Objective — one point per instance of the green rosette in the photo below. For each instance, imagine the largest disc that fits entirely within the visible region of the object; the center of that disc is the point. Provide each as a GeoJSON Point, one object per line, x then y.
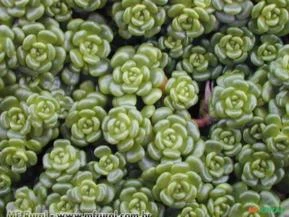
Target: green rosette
{"type": "Point", "coordinates": [135, 198]}
{"type": "Point", "coordinates": [88, 45]}
{"type": "Point", "coordinates": [27, 9]}
{"type": "Point", "coordinates": [282, 101]}
{"type": "Point", "coordinates": [233, 45]}
{"type": "Point", "coordinates": [279, 69]}
{"type": "Point", "coordinates": [127, 129]}
{"type": "Point", "coordinates": [258, 168]}
{"type": "Point", "coordinates": [57, 203]}
{"type": "Point", "coordinates": [89, 194]}
{"type": "Point", "coordinates": [267, 51]}
{"type": "Point", "coordinates": [136, 72]}
{"type": "Point", "coordinates": [86, 5]}
{"type": "Point", "coordinates": [254, 203]}
{"type": "Point", "coordinates": [175, 137]}
{"type": "Point", "coordinates": [84, 120]}
{"type": "Point", "coordinates": [200, 62]}
{"type": "Point", "coordinates": [25, 201]}
{"type": "Point", "coordinates": [61, 163]}
{"type": "Point", "coordinates": [16, 155]}
{"type": "Point", "coordinates": [139, 17]}
{"type": "Point", "coordinates": [40, 47]}
{"type": "Point", "coordinates": [228, 138]}
{"type": "Point", "coordinates": [58, 10]}
{"type": "Point", "coordinates": [270, 16]}
{"type": "Point", "coordinates": [195, 209]}
{"type": "Point", "coordinates": [233, 12]}
{"type": "Point", "coordinates": [234, 100]}
{"type": "Point", "coordinates": [190, 21]}
{"type": "Point", "coordinates": [220, 200]}
{"type": "Point", "coordinates": [110, 165]}
{"type": "Point", "coordinates": [181, 90]}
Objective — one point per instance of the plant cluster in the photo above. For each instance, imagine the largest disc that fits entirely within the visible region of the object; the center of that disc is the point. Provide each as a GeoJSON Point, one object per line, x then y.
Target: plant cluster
{"type": "Point", "coordinates": [176, 108]}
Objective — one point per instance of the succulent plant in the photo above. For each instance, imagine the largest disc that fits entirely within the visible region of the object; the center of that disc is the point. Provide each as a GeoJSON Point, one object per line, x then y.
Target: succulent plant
{"type": "Point", "coordinates": [234, 99]}
{"type": "Point", "coordinates": [25, 201]}
{"type": "Point", "coordinates": [182, 91]}
{"type": "Point", "coordinates": [233, 45]}
{"type": "Point", "coordinates": [190, 21]}
{"type": "Point", "coordinates": [136, 72]}
{"type": "Point", "coordinates": [61, 204]}
{"type": "Point", "coordinates": [139, 17]}
{"type": "Point", "coordinates": [233, 12]}
{"type": "Point", "coordinates": [200, 62]}
{"type": "Point", "coordinates": [125, 127]}
{"type": "Point", "coordinates": [15, 154]}
{"type": "Point", "coordinates": [257, 167]}
{"type": "Point", "coordinates": [279, 69]}
{"type": "Point", "coordinates": [88, 44]}
{"type": "Point", "coordinates": [41, 47]}
{"type": "Point", "coordinates": [177, 185]}
{"type": "Point", "coordinates": [229, 139]}
{"type": "Point", "coordinates": [6, 179]}
{"type": "Point", "coordinates": [220, 200]}
{"type": "Point", "coordinates": [194, 209]}
{"type": "Point", "coordinates": [250, 202]}
{"type": "Point", "coordinates": [88, 194]}
{"type": "Point", "coordinates": [86, 5]}
{"type": "Point", "coordinates": [135, 198]}
{"type": "Point", "coordinates": [267, 51]}
{"type": "Point", "coordinates": [108, 164]}
{"type": "Point", "coordinates": [282, 101]}
{"type": "Point", "coordinates": [276, 136]}
{"type": "Point", "coordinates": [175, 137]}
{"type": "Point", "coordinates": [62, 160]}
{"type": "Point", "coordinates": [84, 120]}
{"type": "Point", "coordinates": [270, 16]}
{"type": "Point", "coordinates": [60, 11]}
{"type": "Point", "coordinates": [29, 9]}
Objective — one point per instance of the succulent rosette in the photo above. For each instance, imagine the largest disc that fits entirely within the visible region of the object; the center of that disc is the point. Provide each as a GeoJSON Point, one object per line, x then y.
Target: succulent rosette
{"type": "Point", "coordinates": [88, 194]}
{"type": "Point", "coordinates": [139, 17]}
{"type": "Point", "coordinates": [279, 69]}
{"type": "Point", "coordinates": [44, 110]}
{"type": "Point", "coordinates": [258, 168]}
{"type": "Point", "coordinates": [233, 12]}
{"type": "Point", "coordinates": [29, 9]}
{"type": "Point", "coordinates": [57, 203]}
{"type": "Point", "coordinates": [270, 16]}
{"type": "Point", "coordinates": [63, 160]}
{"type": "Point", "coordinates": [220, 200]}
{"type": "Point", "coordinates": [129, 130]}
{"type": "Point", "coordinates": [255, 203]}
{"type": "Point", "coordinates": [282, 101]}
{"type": "Point", "coordinates": [267, 51]}
{"type": "Point", "coordinates": [182, 91]}
{"type": "Point", "coordinates": [233, 45]}
{"type": "Point", "coordinates": [15, 154]}
{"type": "Point", "coordinates": [40, 47]}
{"type": "Point", "coordinates": [86, 5]}
{"type": "Point", "coordinates": [6, 179]}
{"type": "Point", "coordinates": [276, 136]}
{"type": "Point", "coordinates": [228, 138]}
{"type": "Point", "coordinates": [200, 62]}
{"type": "Point", "coordinates": [108, 164]}
{"type": "Point", "coordinates": [84, 120]}
{"type": "Point", "coordinates": [8, 59]}
{"type": "Point", "coordinates": [190, 21]}
{"type": "Point", "coordinates": [88, 44]}
{"type": "Point", "coordinates": [59, 10]}
{"type": "Point", "coordinates": [175, 136]}
{"type": "Point", "coordinates": [15, 118]}
{"type": "Point", "coordinates": [136, 72]}
{"type": "Point", "coordinates": [173, 46]}
{"type": "Point", "coordinates": [234, 100]}
{"type": "Point", "coordinates": [25, 201]}
{"type": "Point", "coordinates": [135, 198]}
{"type": "Point", "coordinates": [194, 209]}
{"type": "Point", "coordinates": [176, 184]}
